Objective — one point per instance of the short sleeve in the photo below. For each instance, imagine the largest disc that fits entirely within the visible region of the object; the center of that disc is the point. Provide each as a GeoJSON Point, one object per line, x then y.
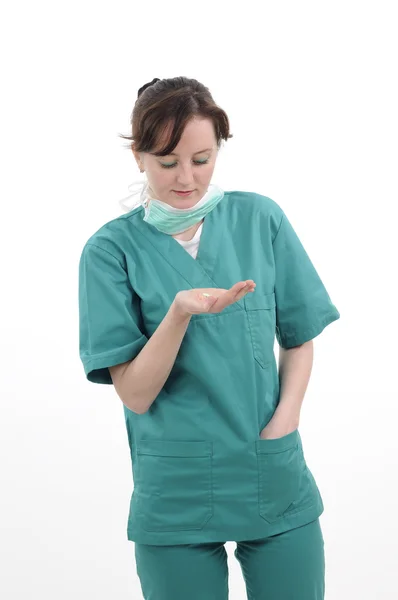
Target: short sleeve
{"type": "Point", "coordinates": [109, 315]}
{"type": "Point", "coordinates": [303, 306]}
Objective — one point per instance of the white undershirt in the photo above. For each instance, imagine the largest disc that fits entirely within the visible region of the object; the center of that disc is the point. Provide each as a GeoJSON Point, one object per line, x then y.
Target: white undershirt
{"type": "Point", "coordinates": [191, 246]}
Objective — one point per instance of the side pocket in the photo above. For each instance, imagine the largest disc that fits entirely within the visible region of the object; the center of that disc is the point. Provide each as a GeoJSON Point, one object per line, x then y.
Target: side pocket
{"type": "Point", "coordinates": [174, 490]}
{"type": "Point", "coordinates": [261, 314]}
{"type": "Point", "coordinates": [280, 467]}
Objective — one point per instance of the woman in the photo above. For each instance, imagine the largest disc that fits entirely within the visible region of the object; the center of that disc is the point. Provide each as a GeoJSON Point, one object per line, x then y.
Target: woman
{"type": "Point", "coordinates": [180, 302]}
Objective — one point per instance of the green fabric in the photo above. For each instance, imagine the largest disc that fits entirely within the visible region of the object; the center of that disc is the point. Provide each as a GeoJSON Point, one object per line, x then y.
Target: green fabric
{"type": "Point", "coordinates": [201, 472]}
{"type": "Point", "coordinates": [288, 566]}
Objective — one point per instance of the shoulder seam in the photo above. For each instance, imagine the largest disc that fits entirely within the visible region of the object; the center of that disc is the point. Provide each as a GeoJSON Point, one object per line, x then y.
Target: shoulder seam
{"type": "Point", "coordinates": [280, 225]}
{"type": "Point", "coordinates": [107, 251]}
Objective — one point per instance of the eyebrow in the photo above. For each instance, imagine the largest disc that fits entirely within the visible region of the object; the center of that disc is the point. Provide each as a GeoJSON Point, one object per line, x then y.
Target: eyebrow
{"type": "Point", "coordinates": [198, 152]}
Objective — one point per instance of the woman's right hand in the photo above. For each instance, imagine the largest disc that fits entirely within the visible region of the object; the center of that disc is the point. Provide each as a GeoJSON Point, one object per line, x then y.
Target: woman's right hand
{"type": "Point", "coordinates": [211, 300]}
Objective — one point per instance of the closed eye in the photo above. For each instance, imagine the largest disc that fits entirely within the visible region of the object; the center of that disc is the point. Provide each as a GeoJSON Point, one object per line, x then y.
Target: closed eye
{"type": "Point", "coordinates": [196, 162]}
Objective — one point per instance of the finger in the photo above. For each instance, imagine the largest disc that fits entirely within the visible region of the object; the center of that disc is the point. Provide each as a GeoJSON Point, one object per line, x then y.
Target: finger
{"type": "Point", "coordinates": [236, 288]}
{"type": "Point", "coordinates": [207, 300]}
{"type": "Point", "coordinates": [242, 293]}
{"type": "Point", "coordinates": [251, 284]}
{"type": "Point", "coordinates": [227, 299]}
{"type": "Point", "coordinates": [236, 292]}
{"type": "Point", "coordinates": [233, 294]}
{"type": "Point", "coordinates": [241, 285]}
{"type": "Point", "coordinates": [249, 287]}
{"type": "Point", "coordinates": [230, 295]}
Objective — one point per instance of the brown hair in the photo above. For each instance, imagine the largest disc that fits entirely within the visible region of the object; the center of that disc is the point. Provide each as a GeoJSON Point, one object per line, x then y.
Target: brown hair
{"type": "Point", "coordinates": [162, 103]}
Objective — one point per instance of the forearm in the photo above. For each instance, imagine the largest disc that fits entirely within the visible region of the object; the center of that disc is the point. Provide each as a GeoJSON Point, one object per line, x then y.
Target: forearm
{"type": "Point", "coordinates": [295, 367]}
{"type": "Point", "coordinates": [147, 373]}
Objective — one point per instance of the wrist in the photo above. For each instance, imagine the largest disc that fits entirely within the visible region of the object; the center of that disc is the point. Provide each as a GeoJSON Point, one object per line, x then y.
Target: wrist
{"type": "Point", "coordinates": [178, 314]}
{"type": "Point", "coordinates": [289, 417]}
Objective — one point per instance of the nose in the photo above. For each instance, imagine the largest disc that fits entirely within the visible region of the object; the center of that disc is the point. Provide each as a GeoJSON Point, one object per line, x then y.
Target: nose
{"type": "Point", "coordinates": [185, 176]}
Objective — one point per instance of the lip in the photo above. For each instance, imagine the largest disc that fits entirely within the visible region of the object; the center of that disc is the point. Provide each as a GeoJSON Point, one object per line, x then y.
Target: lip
{"type": "Point", "coordinates": [183, 193]}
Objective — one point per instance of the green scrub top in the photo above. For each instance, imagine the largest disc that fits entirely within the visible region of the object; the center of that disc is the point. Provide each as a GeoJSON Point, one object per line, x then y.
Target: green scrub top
{"type": "Point", "coordinates": [201, 472]}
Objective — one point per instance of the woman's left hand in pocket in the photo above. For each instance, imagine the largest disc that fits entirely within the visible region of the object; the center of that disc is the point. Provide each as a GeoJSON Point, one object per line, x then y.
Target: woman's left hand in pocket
{"type": "Point", "coordinates": [277, 429]}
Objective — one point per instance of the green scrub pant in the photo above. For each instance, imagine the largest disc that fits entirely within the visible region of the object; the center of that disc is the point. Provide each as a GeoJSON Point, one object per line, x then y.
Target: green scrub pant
{"type": "Point", "coordinates": [287, 566]}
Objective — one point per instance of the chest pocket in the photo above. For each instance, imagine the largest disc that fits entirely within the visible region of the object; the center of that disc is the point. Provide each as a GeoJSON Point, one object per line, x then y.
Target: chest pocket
{"type": "Point", "coordinates": [261, 315]}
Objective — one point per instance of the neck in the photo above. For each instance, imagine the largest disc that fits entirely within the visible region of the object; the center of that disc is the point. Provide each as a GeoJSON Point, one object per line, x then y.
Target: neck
{"type": "Point", "coordinates": [188, 234]}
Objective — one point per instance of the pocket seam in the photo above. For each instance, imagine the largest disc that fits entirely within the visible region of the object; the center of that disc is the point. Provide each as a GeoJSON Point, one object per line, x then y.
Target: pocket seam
{"type": "Point", "coordinates": [201, 449]}
{"type": "Point", "coordinates": [254, 304]}
{"type": "Point", "coordinates": [260, 301]}
{"type": "Point", "coordinates": [262, 491]}
{"type": "Point", "coordinates": [204, 450]}
{"type": "Point", "coordinates": [286, 442]}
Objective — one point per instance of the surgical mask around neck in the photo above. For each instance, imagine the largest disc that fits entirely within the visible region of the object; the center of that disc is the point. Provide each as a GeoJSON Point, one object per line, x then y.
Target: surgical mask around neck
{"type": "Point", "coordinates": [166, 218]}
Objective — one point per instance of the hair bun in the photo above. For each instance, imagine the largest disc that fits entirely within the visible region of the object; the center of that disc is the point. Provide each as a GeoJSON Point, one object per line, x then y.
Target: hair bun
{"type": "Point", "coordinates": [147, 85]}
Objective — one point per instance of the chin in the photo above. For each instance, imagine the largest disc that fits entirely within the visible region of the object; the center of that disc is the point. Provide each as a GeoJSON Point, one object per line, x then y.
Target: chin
{"type": "Point", "coordinates": [186, 203]}
{"type": "Point", "coordinates": [189, 202]}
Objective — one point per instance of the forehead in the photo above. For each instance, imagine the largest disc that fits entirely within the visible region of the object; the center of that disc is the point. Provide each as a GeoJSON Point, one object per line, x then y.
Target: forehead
{"type": "Point", "coordinates": [198, 135]}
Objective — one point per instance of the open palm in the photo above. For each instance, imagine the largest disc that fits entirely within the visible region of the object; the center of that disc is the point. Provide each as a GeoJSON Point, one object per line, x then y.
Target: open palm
{"type": "Point", "coordinates": [212, 300]}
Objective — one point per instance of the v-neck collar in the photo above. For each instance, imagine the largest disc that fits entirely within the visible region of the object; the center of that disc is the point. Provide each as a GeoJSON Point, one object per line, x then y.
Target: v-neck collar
{"type": "Point", "coordinates": [193, 239]}
{"type": "Point", "coordinates": [199, 271]}
{"type": "Point", "coordinates": [196, 271]}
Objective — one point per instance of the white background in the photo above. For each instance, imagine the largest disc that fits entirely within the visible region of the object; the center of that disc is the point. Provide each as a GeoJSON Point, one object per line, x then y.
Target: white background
{"type": "Point", "coordinates": [310, 90]}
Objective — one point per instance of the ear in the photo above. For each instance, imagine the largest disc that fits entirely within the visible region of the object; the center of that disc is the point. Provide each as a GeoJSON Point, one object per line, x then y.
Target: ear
{"type": "Point", "coordinates": [138, 159]}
